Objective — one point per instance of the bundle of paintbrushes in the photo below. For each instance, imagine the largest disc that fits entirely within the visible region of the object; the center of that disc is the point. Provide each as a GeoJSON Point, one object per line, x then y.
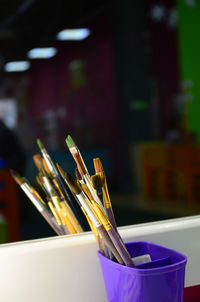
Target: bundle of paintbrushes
{"type": "Point", "coordinates": [93, 197]}
{"type": "Point", "coordinates": [58, 207]}
{"type": "Point", "coordinates": [90, 192]}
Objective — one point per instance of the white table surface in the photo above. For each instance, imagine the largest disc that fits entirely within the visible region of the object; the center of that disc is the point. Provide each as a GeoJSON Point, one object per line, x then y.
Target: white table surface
{"type": "Point", "coordinates": [67, 268]}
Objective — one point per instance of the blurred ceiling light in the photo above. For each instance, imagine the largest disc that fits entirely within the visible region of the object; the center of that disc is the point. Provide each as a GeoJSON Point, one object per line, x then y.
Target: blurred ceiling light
{"type": "Point", "coordinates": [42, 53]}
{"type": "Point", "coordinates": [17, 66]}
{"type": "Point", "coordinates": [73, 34]}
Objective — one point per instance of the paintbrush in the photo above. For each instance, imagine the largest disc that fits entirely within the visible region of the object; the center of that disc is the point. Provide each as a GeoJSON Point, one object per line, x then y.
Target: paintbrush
{"type": "Point", "coordinates": [37, 158]}
{"type": "Point", "coordinates": [82, 168]}
{"type": "Point", "coordinates": [78, 176]}
{"type": "Point", "coordinates": [107, 252]}
{"type": "Point", "coordinates": [44, 172]}
{"type": "Point", "coordinates": [36, 201]}
{"type": "Point", "coordinates": [49, 188]}
{"type": "Point", "coordinates": [60, 202]}
{"type": "Point", "coordinates": [103, 183]}
{"type": "Point", "coordinates": [41, 184]}
{"type": "Point", "coordinates": [76, 188]}
{"type": "Point", "coordinates": [54, 173]}
{"type": "Point", "coordinates": [62, 213]}
{"type": "Point", "coordinates": [100, 180]}
{"type": "Point", "coordinates": [102, 244]}
{"type": "Point", "coordinates": [95, 232]}
{"type": "Point", "coordinates": [97, 184]}
{"type": "Point", "coordinates": [98, 237]}
{"type": "Point", "coordinates": [51, 207]}
{"type": "Point", "coordinates": [44, 179]}
{"type": "Point", "coordinates": [55, 213]}
{"type": "Point", "coordinates": [55, 205]}
{"type": "Point", "coordinates": [114, 236]}
{"type": "Point", "coordinates": [73, 148]}
{"type": "Point", "coordinates": [47, 158]}
{"type": "Point", "coordinates": [45, 182]}
{"type": "Point", "coordinates": [83, 184]}
{"type": "Point", "coordinates": [62, 228]}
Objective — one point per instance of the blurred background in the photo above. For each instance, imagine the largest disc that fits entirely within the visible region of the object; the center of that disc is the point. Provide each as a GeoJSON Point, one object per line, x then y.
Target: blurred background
{"type": "Point", "coordinates": [122, 78]}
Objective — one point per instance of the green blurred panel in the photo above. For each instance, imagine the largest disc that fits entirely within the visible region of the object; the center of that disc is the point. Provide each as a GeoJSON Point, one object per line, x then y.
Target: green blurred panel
{"type": "Point", "coordinates": [189, 45]}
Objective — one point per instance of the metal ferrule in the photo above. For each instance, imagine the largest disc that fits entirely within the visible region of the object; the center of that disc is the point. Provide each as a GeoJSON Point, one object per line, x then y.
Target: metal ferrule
{"type": "Point", "coordinates": [34, 199]}
{"type": "Point", "coordinates": [106, 198]}
{"type": "Point", "coordinates": [103, 218]}
{"type": "Point", "coordinates": [49, 163]}
{"type": "Point", "coordinates": [88, 210]}
{"type": "Point", "coordinates": [48, 185]}
{"type": "Point", "coordinates": [93, 191]}
{"type": "Point", "coordinates": [74, 150]}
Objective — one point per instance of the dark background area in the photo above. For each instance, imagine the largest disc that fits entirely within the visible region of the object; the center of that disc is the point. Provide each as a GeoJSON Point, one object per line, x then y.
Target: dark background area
{"type": "Point", "coordinates": [125, 93]}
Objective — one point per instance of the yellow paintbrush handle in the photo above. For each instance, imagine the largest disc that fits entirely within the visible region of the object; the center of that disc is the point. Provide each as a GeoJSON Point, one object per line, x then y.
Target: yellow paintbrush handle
{"type": "Point", "coordinates": [72, 217]}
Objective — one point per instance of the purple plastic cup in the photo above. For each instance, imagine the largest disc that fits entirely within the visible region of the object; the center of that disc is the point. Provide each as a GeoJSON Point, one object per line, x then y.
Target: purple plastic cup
{"type": "Point", "coordinates": [161, 280]}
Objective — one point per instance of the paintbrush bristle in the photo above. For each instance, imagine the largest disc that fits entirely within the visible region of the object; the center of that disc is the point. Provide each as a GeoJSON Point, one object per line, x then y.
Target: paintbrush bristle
{"type": "Point", "coordinates": [60, 169]}
{"type": "Point", "coordinates": [39, 181]}
{"type": "Point", "coordinates": [37, 158]}
{"type": "Point", "coordinates": [17, 177]}
{"type": "Point", "coordinates": [96, 181]}
{"type": "Point", "coordinates": [80, 164]}
{"type": "Point", "coordinates": [98, 165]}
{"type": "Point", "coordinates": [40, 144]}
{"type": "Point", "coordinates": [77, 173]}
{"type": "Point", "coordinates": [45, 166]}
{"type": "Point", "coordinates": [74, 185]}
{"type": "Point", "coordinates": [70, 142]}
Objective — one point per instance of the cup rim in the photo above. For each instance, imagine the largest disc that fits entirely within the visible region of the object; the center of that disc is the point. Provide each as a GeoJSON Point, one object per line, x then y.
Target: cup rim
{"type": "Point", "coordinates": [147, 271]}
